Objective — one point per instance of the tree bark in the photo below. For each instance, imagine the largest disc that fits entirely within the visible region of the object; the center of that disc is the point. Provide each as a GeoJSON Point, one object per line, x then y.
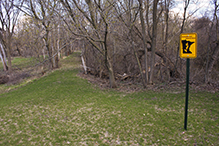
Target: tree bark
{"type": "Point", "coordinates": [58, 41]}
{"type": "Point", "coordinates": [154, 40]}
{"type": "Point", "coordinates": [208, 56]}
{"type": "Point", "coordinates": [53, 58]}
{"type": "Point", "coordinates": [144, 41]}
{"type": "Point", "coordinates": [167, 4]}
{"type": "Point", "coordinates": [213, 59]}
{"type": "Point", "coordinates": [108, 63]}
{"type": "Point", "coordinates": [84, 65]}
{"type": "Point", "coordinates": [9, 53]}
{"type": "Point", "coordinates": [111, 74]}
{"type": "Point", "coordinates": [82, 59]}
{"type": "Point", "coordinates": [47, 43]}
{"type": "Point", "coordinates": [3, 58]}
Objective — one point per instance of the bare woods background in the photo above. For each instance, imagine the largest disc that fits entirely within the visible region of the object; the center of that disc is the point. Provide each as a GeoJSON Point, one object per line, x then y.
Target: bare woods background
{"type": "Point", "coordinates": [133, 41]}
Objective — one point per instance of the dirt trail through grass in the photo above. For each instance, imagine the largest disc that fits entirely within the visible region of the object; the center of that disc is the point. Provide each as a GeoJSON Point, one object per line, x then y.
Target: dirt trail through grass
{"type": "Point", "coordinates": [63, 109]}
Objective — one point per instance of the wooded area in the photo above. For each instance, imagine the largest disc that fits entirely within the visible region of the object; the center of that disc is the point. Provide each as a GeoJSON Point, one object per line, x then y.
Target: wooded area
{"type": "Point", "coordinates": [132, 40]}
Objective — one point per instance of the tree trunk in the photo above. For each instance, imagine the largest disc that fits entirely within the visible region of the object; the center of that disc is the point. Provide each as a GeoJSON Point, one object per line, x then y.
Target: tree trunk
{"type": "Point", "coordinates": [84, 65]}
{"type": "Point", "coordinates": [167, 3]}
{"type": "Point", "coordinates": [46, 40]}
{"type": "Point", "coordinates": [44, 55]}
{"type": "Point", "coordinates": [83, 61]}
{"type": "Point", "coordinates": [3, 58]}
{"type": "Point", "coordinates": [58, 41]}
{"type": "Point", "coordinates": [19, 51]}
{"type": "Point", "coordinates": [208, 56]}
{"type": "Point", "coordinates": [216, 50]}
{"type": "Point", "coordinates": [138, 61]}
{"type": "Point", "coordinates": [3, 63]}
{"type": "Point", "coordinates": [154, 40]}
{"type": "Point", "coordinates": [9, 61]}
{"type": "Point", "coordinates": [213, 59]}
{"type": "Point", "coordinates": [53, 58]}
{"type": "Point", "coordinates": [144, 41]}
{"type": "Point", "coordinates": [108, 63]}
{"type": "Point", "coordinates": [9, 54]}
{"type": "Point", "coordinates": [111, 74]}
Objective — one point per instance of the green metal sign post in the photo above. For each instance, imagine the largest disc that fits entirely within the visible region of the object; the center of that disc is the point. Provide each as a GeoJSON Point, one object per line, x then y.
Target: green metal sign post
{"type": "Point", "coordinates": [187, 92]}
{"type": "Point", "coordinates": [188, 49]}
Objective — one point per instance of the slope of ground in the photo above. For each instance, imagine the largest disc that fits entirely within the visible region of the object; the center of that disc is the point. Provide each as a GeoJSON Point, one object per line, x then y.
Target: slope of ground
{"type": "Point", "coordinates": [63, 109]}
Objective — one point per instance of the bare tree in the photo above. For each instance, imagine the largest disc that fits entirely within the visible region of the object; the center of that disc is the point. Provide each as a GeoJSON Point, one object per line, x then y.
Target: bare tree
{"type": "Point", "coordinates": [44, 12]}
{"type": "Point", "coordinates": [94, 27]}
{"type": "Point", "coordinates": [186, 3]}
{"type": "Point", "coordinates": [154, 41]}
{"type": "Point", "coordinates": [144, 38]}
{"type": "Point", "coordinates": [9, 13]}
{"type": "Point", "coordinates": [212, 59]}
{"type": "Point", "coordinates": [127, 13]}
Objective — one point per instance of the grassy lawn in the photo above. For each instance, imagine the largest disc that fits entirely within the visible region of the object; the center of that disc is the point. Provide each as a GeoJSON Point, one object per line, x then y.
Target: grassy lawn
{"type": "Point", "coordinates": [63, 109]}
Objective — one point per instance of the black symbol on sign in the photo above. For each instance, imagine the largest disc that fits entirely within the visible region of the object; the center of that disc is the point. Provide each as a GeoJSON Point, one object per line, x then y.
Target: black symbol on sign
{"type": "Point", "coordinates": [186, 45]}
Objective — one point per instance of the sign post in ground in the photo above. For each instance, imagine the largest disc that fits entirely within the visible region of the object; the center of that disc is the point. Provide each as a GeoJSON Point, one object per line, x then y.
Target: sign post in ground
{"type": "Point", "coordinates": [188, 49]}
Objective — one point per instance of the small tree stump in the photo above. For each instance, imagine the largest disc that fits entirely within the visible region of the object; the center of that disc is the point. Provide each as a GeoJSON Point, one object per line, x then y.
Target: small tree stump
{"type": "Point", "coordinates": [4, 79]}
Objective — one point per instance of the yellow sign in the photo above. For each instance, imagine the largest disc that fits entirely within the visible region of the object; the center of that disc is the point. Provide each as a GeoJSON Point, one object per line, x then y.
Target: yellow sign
{"type": "Point", "coordinates": [188, 45]}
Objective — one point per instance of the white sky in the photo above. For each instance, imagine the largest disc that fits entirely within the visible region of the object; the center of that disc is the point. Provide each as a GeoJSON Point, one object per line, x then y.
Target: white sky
{"type": "Point", "coordinates": [201, 5]}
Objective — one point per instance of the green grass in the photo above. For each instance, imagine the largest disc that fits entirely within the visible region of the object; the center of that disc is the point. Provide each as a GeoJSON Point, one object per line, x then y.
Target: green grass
{"type": "Point", "coordinates": [63, 109]}
{"type": "Point", "coordinates": [21, 62]}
